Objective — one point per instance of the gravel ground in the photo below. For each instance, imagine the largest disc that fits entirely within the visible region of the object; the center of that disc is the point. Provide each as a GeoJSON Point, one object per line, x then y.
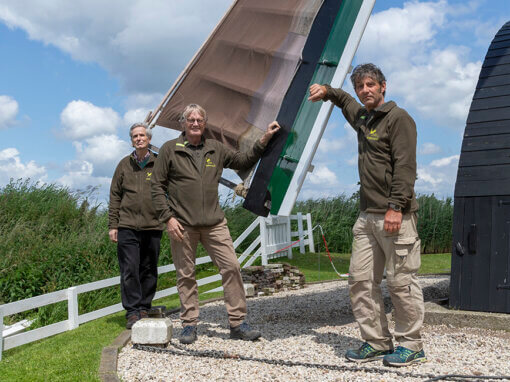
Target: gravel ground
{"type": "Point", "coordinates": [312, 328]}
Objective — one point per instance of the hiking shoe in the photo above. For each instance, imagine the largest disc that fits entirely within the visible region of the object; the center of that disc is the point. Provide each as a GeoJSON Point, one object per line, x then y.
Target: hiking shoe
{"type": "Point", "coordinates": [366, 353]}
{"type": "Point", "coordinates": [131, 320]}
{"type": "Point", "coordinates": [188, 335]}
{"type": "Point", "coordinates": [244, 332]}
{"type": "Point", "coordinates": [403, 356]}
{"type": "Point", "coordinates": [144, 314]}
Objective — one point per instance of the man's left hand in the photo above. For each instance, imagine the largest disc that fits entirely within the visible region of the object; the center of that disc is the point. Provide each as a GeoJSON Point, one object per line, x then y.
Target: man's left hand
{"type": "Point", "coordinates": [392, 221]}
{"type": "Point", "coordinates": [272, 128]}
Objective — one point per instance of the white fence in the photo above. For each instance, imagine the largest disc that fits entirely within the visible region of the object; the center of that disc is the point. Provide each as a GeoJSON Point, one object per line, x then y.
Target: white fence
{"type": "Point", "coordinates": [274, 240]}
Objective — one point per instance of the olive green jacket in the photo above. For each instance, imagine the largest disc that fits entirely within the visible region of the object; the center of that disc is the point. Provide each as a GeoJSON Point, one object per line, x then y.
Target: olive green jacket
{"type": "Point", "coordinates": [386, 152]}
{"type": "Point", "coordinates": [130, 196]}
{"type": "Point", "coordinates": [188, 192]}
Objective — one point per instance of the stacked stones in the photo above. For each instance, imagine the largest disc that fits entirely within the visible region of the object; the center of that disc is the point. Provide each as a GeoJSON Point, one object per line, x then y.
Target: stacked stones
{"type": "Point", "coordinates": [272, 278]}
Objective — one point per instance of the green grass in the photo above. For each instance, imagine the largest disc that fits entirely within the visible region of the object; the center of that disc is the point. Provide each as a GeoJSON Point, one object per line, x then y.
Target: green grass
{"type": "Point", "coordinates": [75, 355]}
{"type": "Point", "coordinates": [317, 266]}
{"type": "Point", "coordinates": [436, 263]}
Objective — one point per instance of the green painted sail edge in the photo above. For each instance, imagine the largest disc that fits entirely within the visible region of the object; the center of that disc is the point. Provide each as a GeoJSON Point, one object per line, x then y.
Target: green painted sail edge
{"type": "Point", "coordinates": [308, 111]}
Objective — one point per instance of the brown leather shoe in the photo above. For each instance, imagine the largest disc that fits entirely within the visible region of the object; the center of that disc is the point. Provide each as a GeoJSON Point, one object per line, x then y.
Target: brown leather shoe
{"type": "Point", "coordinates": [131, 320]}
{"type": "Point", "coordinates": [144, 314]}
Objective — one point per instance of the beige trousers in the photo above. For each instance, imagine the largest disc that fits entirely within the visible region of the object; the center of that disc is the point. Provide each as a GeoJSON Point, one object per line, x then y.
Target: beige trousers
{"type": "Point", "coordinates": [374, 249]}
{"type": "Point", "coordinates": [218, 244]}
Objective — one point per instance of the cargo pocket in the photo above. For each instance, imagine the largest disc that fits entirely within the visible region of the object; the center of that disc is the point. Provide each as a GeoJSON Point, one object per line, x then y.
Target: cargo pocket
{"type": "Point", "coordinates": [407, 259]}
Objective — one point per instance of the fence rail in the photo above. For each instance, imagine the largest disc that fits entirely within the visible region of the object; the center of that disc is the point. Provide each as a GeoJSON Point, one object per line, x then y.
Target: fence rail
{"type": "Point", "coordinates": [274, 240]}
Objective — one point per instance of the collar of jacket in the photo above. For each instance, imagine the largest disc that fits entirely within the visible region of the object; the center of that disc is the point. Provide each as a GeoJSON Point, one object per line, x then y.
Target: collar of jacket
{"type": "Point", "coordinates": [152, 157]}
{"type": "Point", "coordinates": [181, 143]}
{"type": "Point", "coordinates": [385, 108]}
{"type": "Point", "coordinates": [379, 111]}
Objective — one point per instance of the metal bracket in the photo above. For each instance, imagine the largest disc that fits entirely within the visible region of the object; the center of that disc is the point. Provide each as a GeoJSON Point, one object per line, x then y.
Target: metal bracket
{"type": "Point", "coordinates": [460, 249]}
{"type": "Point", "coordinates": [328, 63]}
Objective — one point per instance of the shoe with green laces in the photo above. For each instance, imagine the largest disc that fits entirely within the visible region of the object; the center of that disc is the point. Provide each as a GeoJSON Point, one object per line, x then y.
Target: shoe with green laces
{"type": "Point", "coordinates": [188, 335]}
{"type": "Point", "coordinates": [366, 353]}
{"type": "Point", "coordinates": [403, 357]}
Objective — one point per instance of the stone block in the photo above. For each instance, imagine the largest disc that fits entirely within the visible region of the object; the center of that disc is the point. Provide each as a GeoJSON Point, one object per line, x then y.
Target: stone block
{"type": "Point", "coordinates": [249, 290]}
{"type": "Point", "coordinates": [152, 331]}
{"type": "Point", "coordinates": [272, 266]}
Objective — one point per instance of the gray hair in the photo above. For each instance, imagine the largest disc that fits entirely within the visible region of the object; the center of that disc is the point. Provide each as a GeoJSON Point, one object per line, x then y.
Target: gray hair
{"type": "Point", "coordinates": [190, 109]}
{"type": "Point", "coordinates": [367, 70]}
{"type": "Point", "coordinates": [148, 130]}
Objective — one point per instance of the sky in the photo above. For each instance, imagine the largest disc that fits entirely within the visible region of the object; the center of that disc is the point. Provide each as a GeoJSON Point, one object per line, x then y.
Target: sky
{"type": "Point", "coordinates": [74, 75]}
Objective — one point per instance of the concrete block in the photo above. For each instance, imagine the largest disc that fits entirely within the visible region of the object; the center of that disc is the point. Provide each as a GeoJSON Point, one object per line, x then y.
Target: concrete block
{"type": "Point", "coordinates": [436, 314]}
{"type": "Point", "coordinates": [152, 331]}
{"type": "Point", "coordinates": [249, 290]}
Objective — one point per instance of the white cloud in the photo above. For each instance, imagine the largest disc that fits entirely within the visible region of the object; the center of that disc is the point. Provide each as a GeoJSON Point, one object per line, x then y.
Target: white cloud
{"type": "Point", "coordinates": [322, 175]}
{"type": "Point", "coordinates": [145, 44]}
{"type": "Point", "coordinates": [328, 146]}
{"type": "Point", "coordinates": [429, 148]}
{"type": "Point", "coordinates": [11, 167]}
{"type": "Point", "coordinates": [103, 151]}
{"type": "Point", "coordinates": [81, 119]}
{"type": "Point", "coordinates": [454, 159]}
{"type": "Point", "coordinates": [79, 176]}
{"type": "Point", "coordinates": [441, 89]}
{"type": "Point", "coordinates": [438, 177]}
{"type": "Point", "coordinates": [401, 34]}
{"type": "Point", "coordinates": [437, 81]}
{"type": "Point", "coordinates": [135, 115]}
{"type": "Point", "coordinates": [8, 111]}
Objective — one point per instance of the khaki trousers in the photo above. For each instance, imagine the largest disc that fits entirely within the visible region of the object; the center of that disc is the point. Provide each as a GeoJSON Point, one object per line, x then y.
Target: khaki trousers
{"type": "Point", "coordinates": [218, 244]}
{"type": "Point", "coordinates": [374, 249]}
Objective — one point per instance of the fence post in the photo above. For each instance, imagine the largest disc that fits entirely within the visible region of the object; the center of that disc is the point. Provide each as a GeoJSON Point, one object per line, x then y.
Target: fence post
{"type": "Point", "coordinates": [72, 308]}
{"type": "Point", "coordinates": [263, 239]}
{"type": "Point", "coordinates": [311, 245]}
{"type": "Point", "coordinates": [289, 236]}
{"type": "Point", "coordinates": [300, 232]}
{"type": "Point", "coordinates": [1, 332]}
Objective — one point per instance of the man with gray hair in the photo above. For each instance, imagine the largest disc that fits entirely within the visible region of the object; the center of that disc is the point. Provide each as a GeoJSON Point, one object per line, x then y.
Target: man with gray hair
{"type": "Point", "coordinates": [385, 234]}
{"type": "Point", "coordinates": [185, 194]}
{"type": "Point", "coordinates": [133, 224]}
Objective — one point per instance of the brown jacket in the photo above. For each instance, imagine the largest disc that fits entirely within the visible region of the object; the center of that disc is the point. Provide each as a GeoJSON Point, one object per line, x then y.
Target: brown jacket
{"type": "Point", "coordinates": [386, 152]}
{"type": "Point", "coordinates": [130, 196]}
{"type": "Point", "coordinates": [182, 190]}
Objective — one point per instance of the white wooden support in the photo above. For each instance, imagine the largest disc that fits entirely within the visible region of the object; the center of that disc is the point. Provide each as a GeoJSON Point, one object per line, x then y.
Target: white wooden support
{"type": "Point", "coordinates": [301, 233]}
{"type": "Point", "coordinates": [311, 245]}
{"type": "Point", "coordinates": [263, 240]}
{"type": "Point", "coordinates": [72, 308]}
{"type": "Point", "coordinates": [289, 236]}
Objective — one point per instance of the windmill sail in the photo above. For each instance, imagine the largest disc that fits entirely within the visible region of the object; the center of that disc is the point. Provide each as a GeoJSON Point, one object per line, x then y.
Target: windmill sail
{"type": "Point", "coordinates": [256, 67]}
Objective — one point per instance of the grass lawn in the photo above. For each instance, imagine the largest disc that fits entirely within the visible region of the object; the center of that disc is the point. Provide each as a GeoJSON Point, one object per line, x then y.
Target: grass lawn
{"type": "Point", "coordinates": [75, 355]}
{"type": "Point", "coordinates": [317, 266]}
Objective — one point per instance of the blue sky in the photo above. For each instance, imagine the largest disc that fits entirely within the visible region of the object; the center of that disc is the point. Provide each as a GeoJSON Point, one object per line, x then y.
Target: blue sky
{"type": "Point", "coordinates": [75, 75]}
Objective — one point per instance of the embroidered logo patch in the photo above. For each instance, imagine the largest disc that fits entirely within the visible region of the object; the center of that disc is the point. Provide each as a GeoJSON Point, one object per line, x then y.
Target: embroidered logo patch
{"type": "Point", "coordinates": [209, 163]}
{"type": "Point", "coordinates": [149, 174]}
{"type": "Point", "coordinates": [373, 135]}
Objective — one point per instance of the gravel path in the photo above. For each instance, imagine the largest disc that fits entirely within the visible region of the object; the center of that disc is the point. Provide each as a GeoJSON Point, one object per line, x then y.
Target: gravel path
{"type": "Point", "coordinates": [313, 326]}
